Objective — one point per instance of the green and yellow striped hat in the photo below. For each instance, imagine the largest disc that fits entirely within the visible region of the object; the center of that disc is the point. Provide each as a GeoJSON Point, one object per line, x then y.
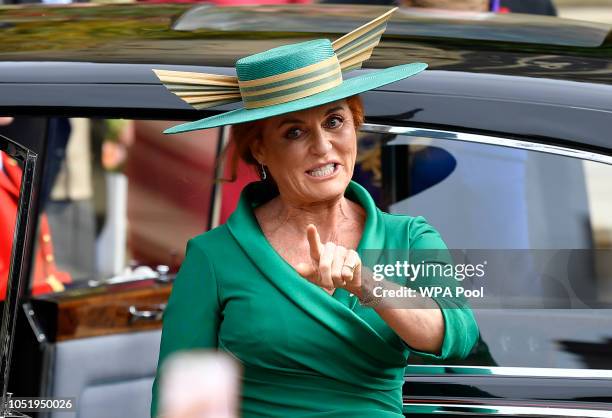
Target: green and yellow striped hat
{"type": "Point", "coordinates": [287, 78]}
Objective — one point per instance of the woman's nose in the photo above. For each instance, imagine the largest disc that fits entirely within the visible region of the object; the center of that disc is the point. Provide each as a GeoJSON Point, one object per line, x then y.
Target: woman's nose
{"type": "Point", "coordinates": [321, 141]}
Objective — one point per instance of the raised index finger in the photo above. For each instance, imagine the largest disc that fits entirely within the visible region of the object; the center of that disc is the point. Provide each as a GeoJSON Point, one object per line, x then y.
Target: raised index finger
{"type": "Point", "coordinates": [314, 241]}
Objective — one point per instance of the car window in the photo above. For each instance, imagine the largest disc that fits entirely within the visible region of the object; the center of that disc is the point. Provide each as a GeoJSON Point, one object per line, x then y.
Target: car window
{"type": "Point", "coordinates": [124, 200]}
{"type": "Point", "coordinates": [10, 184]}
{"type": "Point", "coordinates": [543, 212]}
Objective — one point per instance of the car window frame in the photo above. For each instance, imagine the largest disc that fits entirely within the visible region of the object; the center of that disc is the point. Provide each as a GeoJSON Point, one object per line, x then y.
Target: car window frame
{"type": "Point", "coordinates": [21, 251]}
{"type": "Point", "coordinates": [487, 139]}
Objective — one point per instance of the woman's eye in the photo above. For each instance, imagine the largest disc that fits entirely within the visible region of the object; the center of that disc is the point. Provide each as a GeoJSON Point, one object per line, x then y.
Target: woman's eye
{"type": "Point", "coordinates": [293, 133]}
{"type": "Point", "coordinates": [334, 122]}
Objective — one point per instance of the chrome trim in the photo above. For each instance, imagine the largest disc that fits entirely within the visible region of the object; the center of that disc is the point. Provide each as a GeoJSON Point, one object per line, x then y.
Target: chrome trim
{"type": "Point", "coordinates": [34, 323]}
{"type": "Point", "coordinates": [485, 139]}
{"type": "Point", "coordinates": [155, 314]}
{"type": "Point", "coordinates": [141, 273]}
{"type": "Point", "coordinates": [136, 275]}
{"type": "Point", "coordinates": [508, 371]}
{"type": "Point", "coordinates": [517, 411]}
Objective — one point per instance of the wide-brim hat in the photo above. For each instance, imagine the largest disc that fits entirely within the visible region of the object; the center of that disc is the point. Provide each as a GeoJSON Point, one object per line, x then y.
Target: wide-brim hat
{"type": "Point", "coordinates": [286, 79]}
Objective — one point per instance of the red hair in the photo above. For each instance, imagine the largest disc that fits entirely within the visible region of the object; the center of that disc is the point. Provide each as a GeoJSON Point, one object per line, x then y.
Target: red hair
{"type": "Point", "coordinates": [242, 135]}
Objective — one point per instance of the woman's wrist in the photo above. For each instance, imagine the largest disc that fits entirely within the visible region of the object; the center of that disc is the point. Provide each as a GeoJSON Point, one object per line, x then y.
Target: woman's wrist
{"type": "Point", "coordinates": [365, 293]}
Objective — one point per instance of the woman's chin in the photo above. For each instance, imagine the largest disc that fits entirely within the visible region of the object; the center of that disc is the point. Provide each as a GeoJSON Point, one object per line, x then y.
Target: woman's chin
{"type": "Point", "coordinates": [327, 189]}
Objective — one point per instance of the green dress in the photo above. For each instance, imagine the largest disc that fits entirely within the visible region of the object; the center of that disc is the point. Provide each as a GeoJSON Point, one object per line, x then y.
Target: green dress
{"type": "Point", "coordinates": [304, 352]}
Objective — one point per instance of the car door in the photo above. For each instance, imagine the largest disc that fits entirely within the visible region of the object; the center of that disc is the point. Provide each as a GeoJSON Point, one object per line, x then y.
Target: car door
{"type": "Point", "coordinates": [540, 215]}
{"type": "Point", "coordinates": [21, 150]}
{"type": "Point", "coordinates": [117, 230]}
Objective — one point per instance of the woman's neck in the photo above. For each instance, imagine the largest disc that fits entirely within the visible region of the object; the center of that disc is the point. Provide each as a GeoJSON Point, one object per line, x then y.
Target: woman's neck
{"type": "Point", "coordinates": [330, 217]}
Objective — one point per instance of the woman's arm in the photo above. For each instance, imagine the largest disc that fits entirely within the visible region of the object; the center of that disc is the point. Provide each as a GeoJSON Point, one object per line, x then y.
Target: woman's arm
{"type": "Point", "coordinates": [434, 327]}
{"type": "Point", "coordinates": [420, 325]}
{"type": "Point", "coordinates": [438, 327]}
{"type": "Point", "coordinates": [191, 318]}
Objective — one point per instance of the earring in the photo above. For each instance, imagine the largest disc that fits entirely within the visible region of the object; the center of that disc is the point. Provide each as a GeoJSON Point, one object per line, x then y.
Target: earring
{"type": "Point", "coordinates": [263, 174]}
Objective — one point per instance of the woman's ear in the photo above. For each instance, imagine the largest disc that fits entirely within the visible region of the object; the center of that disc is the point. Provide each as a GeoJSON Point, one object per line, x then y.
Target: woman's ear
{"type": "Point", "coordinates": [257, 150]}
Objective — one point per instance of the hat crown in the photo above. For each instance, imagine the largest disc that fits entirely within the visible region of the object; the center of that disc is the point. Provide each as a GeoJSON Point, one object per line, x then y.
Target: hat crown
{"type": "Point", "coordinates": [283, 59]}
{"type": "Point", "coordinates": [287, 78]}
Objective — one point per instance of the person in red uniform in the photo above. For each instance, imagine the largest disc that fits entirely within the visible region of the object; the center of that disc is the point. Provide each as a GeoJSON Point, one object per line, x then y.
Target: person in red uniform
{"type": "Point", "coordinates": [47, 278]}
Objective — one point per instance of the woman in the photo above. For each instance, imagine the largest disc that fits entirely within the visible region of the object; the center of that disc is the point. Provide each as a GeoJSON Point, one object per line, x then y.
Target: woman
{"type": "Point", "coordinates": [281, 285]}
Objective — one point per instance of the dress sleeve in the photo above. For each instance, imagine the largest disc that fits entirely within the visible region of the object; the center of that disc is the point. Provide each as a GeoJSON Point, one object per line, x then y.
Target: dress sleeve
{"type": "Point", "coordinates": [192, 315]}
{"type": "Point", "coordinates": [460, 327]}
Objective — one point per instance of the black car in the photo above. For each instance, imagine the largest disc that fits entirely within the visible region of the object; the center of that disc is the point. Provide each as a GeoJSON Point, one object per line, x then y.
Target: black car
{"type": "Point", "coordinates": [504, 145]}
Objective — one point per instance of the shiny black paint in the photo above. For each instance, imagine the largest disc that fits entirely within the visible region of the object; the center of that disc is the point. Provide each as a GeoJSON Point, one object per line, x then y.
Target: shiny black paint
{"type": "Point", "coordinates": [549, 111]}
{"type": "Point", "coordinates": [23, 245]}
{"type": "Point", "coordinates": [534, 46]}
{"type": "Point", "coordinates": [96, 61]}
{"type": "Point", "coordinates": [585, 393]}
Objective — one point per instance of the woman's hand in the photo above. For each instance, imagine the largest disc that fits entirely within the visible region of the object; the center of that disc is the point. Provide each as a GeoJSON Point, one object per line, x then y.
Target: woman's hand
{"type": "Point", "coordinates": [332, 266]}
{"type": "Point", "coordinates": [420, 324]}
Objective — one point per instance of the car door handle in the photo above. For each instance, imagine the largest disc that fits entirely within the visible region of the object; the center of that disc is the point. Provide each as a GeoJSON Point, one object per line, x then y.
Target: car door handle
{"type": "Point", "coordinates": [154, 314]}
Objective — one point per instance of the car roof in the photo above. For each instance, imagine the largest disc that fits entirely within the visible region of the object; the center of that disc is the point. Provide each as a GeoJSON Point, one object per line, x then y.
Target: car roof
{"type": "Point", "coordinates": [204, 35]}
{"type": "Point", "coordinates": [530, 76]}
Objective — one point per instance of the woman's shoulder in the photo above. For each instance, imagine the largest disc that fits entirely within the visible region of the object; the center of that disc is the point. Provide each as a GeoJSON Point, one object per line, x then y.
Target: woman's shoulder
{"type": "Point", "coordinates": [395, 220]}
{"type": "Point", "coordinates": [412, 229]}
{"type": "Point", "coordinates": [208, 241]}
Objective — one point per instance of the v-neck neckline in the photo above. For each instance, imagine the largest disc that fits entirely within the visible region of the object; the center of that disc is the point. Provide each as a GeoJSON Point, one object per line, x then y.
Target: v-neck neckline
{"type": "Point", "coordinates": [253, 207]}
{"type": "Point", "coordinates": [338, 312]}
{"type": "Point", "coordinates": [257, 193]}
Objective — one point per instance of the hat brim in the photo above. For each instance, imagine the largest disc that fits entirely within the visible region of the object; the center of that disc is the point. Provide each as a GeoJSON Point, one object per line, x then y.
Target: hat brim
{"type": "Point", "coordinates": [349, 87]}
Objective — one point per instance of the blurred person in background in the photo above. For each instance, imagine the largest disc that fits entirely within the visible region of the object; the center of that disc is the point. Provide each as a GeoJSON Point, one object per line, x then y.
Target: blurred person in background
{"type": "Point", "coordinates": [542, 7]}
{"type": "Point", "coordinates": [69, 204]}
{"type": "Point", "coordinates": [537, 7]}
{"type": "Point", "coordinates": [230, 2]}
{"type": "Point", "coordinates": [467, 5]}
{"type": "Point", "coordinates": [46, 276]}
{"type": "Point", "coordinates": [65, 192]}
